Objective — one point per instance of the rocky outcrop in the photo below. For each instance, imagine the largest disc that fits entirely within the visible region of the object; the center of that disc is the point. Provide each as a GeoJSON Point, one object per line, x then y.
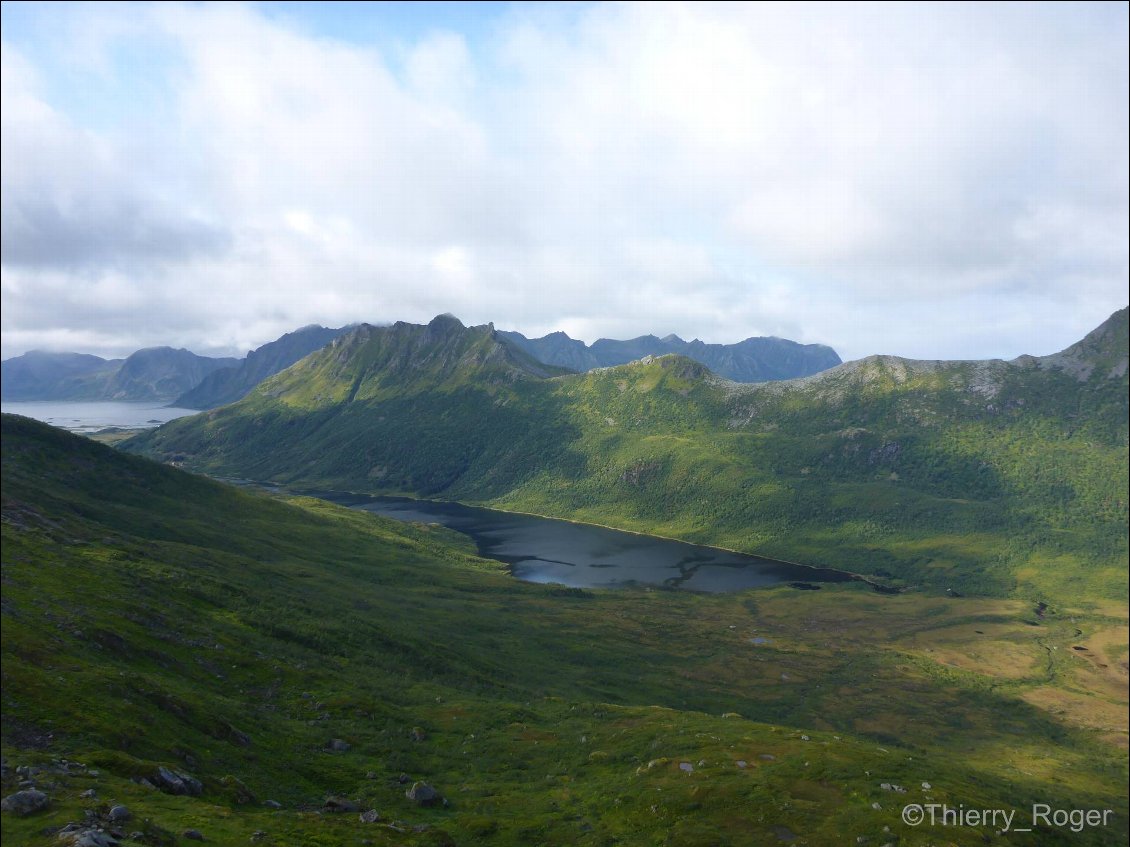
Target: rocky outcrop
{"type": "Point", "coordinates": [26, 802]}
{"type": "Point", "coordinates": [176, 782]}
{"type": "Point", "coordinates": [423, 794]}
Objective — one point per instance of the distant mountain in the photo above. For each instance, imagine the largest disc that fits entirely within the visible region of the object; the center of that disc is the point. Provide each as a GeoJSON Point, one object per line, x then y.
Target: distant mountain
{"type": "Point", "coordinates": [752, 360]}
{"type": "Point", "coordinates": [973, 475]}
{"type": "Point", "coordinates": [161, 374]}
{"type": "Point", "coordinates": [39, 375]}
{"type": "Point", "coordinates": [230, 384]}
{"type": "Point", "coordinates": [368, 362]}
{"type": "Point", "coordinates": [156, 374]}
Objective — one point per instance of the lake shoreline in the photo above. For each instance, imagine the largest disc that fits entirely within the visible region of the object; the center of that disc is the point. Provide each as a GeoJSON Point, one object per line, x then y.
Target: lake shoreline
{"type": "Point", "coordinates": [850, 576]}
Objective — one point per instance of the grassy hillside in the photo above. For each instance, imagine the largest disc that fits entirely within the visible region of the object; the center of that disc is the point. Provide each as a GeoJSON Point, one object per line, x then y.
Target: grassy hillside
{"type": "Point", "coordinates": [152, 618]}
{"type": "Point", "coordinates": [992, 478]}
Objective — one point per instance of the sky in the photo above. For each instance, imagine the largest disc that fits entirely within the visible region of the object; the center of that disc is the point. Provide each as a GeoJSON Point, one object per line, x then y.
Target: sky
{"type": "Point", "coordinates": [926, 180]}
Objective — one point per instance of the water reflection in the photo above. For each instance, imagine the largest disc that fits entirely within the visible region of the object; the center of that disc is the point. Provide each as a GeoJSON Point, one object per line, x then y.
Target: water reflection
{"type": "Point", "coordinates": [543, 550]}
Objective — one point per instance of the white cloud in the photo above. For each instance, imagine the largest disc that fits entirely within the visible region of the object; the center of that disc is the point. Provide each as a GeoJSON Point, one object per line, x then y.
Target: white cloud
{"type": "Point", "coordinates": [891, 178]}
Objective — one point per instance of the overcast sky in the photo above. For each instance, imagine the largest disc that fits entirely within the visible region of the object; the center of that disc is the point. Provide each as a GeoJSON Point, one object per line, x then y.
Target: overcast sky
{"type": "Point", "coordinates": [933, 181]}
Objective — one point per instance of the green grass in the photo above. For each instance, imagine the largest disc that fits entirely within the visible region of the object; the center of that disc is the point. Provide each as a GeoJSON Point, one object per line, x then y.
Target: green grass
{"type": "Point", "coordinates": [971, 476]}
{"type": "Point", "coordinates": [155, 617]}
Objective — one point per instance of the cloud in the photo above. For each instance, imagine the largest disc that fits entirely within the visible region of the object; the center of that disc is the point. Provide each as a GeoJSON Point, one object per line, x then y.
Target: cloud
{"type": "Point", "coordinates": [69, 198]}
{"type": "Point", "coordinates": [925, 180]}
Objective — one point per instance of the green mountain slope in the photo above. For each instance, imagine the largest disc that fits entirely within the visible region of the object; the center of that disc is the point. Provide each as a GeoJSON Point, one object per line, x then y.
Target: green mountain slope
{"type": "Point", "coordinates": [1000, 478]}
{"type": "Point", "coordinates": [287, 651]}
{"type": "Point", "coordinates": [231, 383]}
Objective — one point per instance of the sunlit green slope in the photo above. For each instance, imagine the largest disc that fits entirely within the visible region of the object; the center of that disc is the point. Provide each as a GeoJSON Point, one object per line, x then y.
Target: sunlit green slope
{"type": "Point", "coordinates": [290, 651]}
{"type": "Point", "coordinates": [998, 478]}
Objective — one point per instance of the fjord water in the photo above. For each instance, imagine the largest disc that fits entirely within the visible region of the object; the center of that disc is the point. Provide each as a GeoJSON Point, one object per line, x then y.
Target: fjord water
{"type": "Point", "coordinates": [93, 416]}
{"type": "Point", "coordinates": [585, 556]}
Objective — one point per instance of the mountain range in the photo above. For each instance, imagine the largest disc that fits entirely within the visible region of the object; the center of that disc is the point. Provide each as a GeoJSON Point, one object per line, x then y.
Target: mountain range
{"type": "Point", "coordinates": [226, 385]}
{"type": "Point", "coordinates": [156, 374]}
{"type": "Point", "coordinates": [185, 660]}
{"type": "Point", "coordinates": [966, 475]}
{"type": "Point", "coordinates": [752, 360]}
{"type": "Point", "coordinates": [189, 381]}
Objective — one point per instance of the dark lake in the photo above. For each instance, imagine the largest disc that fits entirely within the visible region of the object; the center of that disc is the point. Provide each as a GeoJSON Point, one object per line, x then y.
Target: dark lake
{"type": "Point", "coordinates": [585, 556]}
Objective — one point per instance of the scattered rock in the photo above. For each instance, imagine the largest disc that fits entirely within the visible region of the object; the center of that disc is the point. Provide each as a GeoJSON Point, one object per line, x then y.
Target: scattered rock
{"type": "Point", "coordinates": [742, 763]}
{"type": "Point", "coordinates": [371, 816]}
{"type": "Point", "coordinates": [175, 782]}
{"type": "Point", "coordinates": [80, 835]}
{"type": "Point", "coordinates": [25, 802]}
{"type": "Point", "coordinates": [89, 794]}
{"type": "Point", "coordinates": [925, 786]}
{"type": "Point", "coordinates": [94, 838]}
{"type": "Point", "coordinates": [258, 835]}
{"type": "Point", "coordinates": [340, 804]}
{"type": "Point", "coordinates": [686, 767]}
{"type": "Point", "coordinates": [423, 794]}
{"type": "Point", "coordinates": [272, 804]}
{"type": "Point", "coordinates": [193, 835]}
{"type": "Point", "coordinates": [337, 745]}
{"type": "Point", "coordinates": [119, 814]}
{"type": "Point", "coordinates": [418, 734]}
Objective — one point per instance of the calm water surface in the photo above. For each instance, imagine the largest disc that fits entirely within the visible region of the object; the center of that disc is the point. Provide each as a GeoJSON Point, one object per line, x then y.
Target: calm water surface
{"type": "Point", "coordinates": [91, 417]}
{"type": "Point", "coordinates": [583, 556]}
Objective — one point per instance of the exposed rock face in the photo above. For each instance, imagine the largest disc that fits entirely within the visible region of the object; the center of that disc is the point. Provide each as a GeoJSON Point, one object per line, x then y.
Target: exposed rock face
{"type": "Point", "coordinates": [1103, 352]}
{"type": "Point", "coordinates": [175, 782]}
